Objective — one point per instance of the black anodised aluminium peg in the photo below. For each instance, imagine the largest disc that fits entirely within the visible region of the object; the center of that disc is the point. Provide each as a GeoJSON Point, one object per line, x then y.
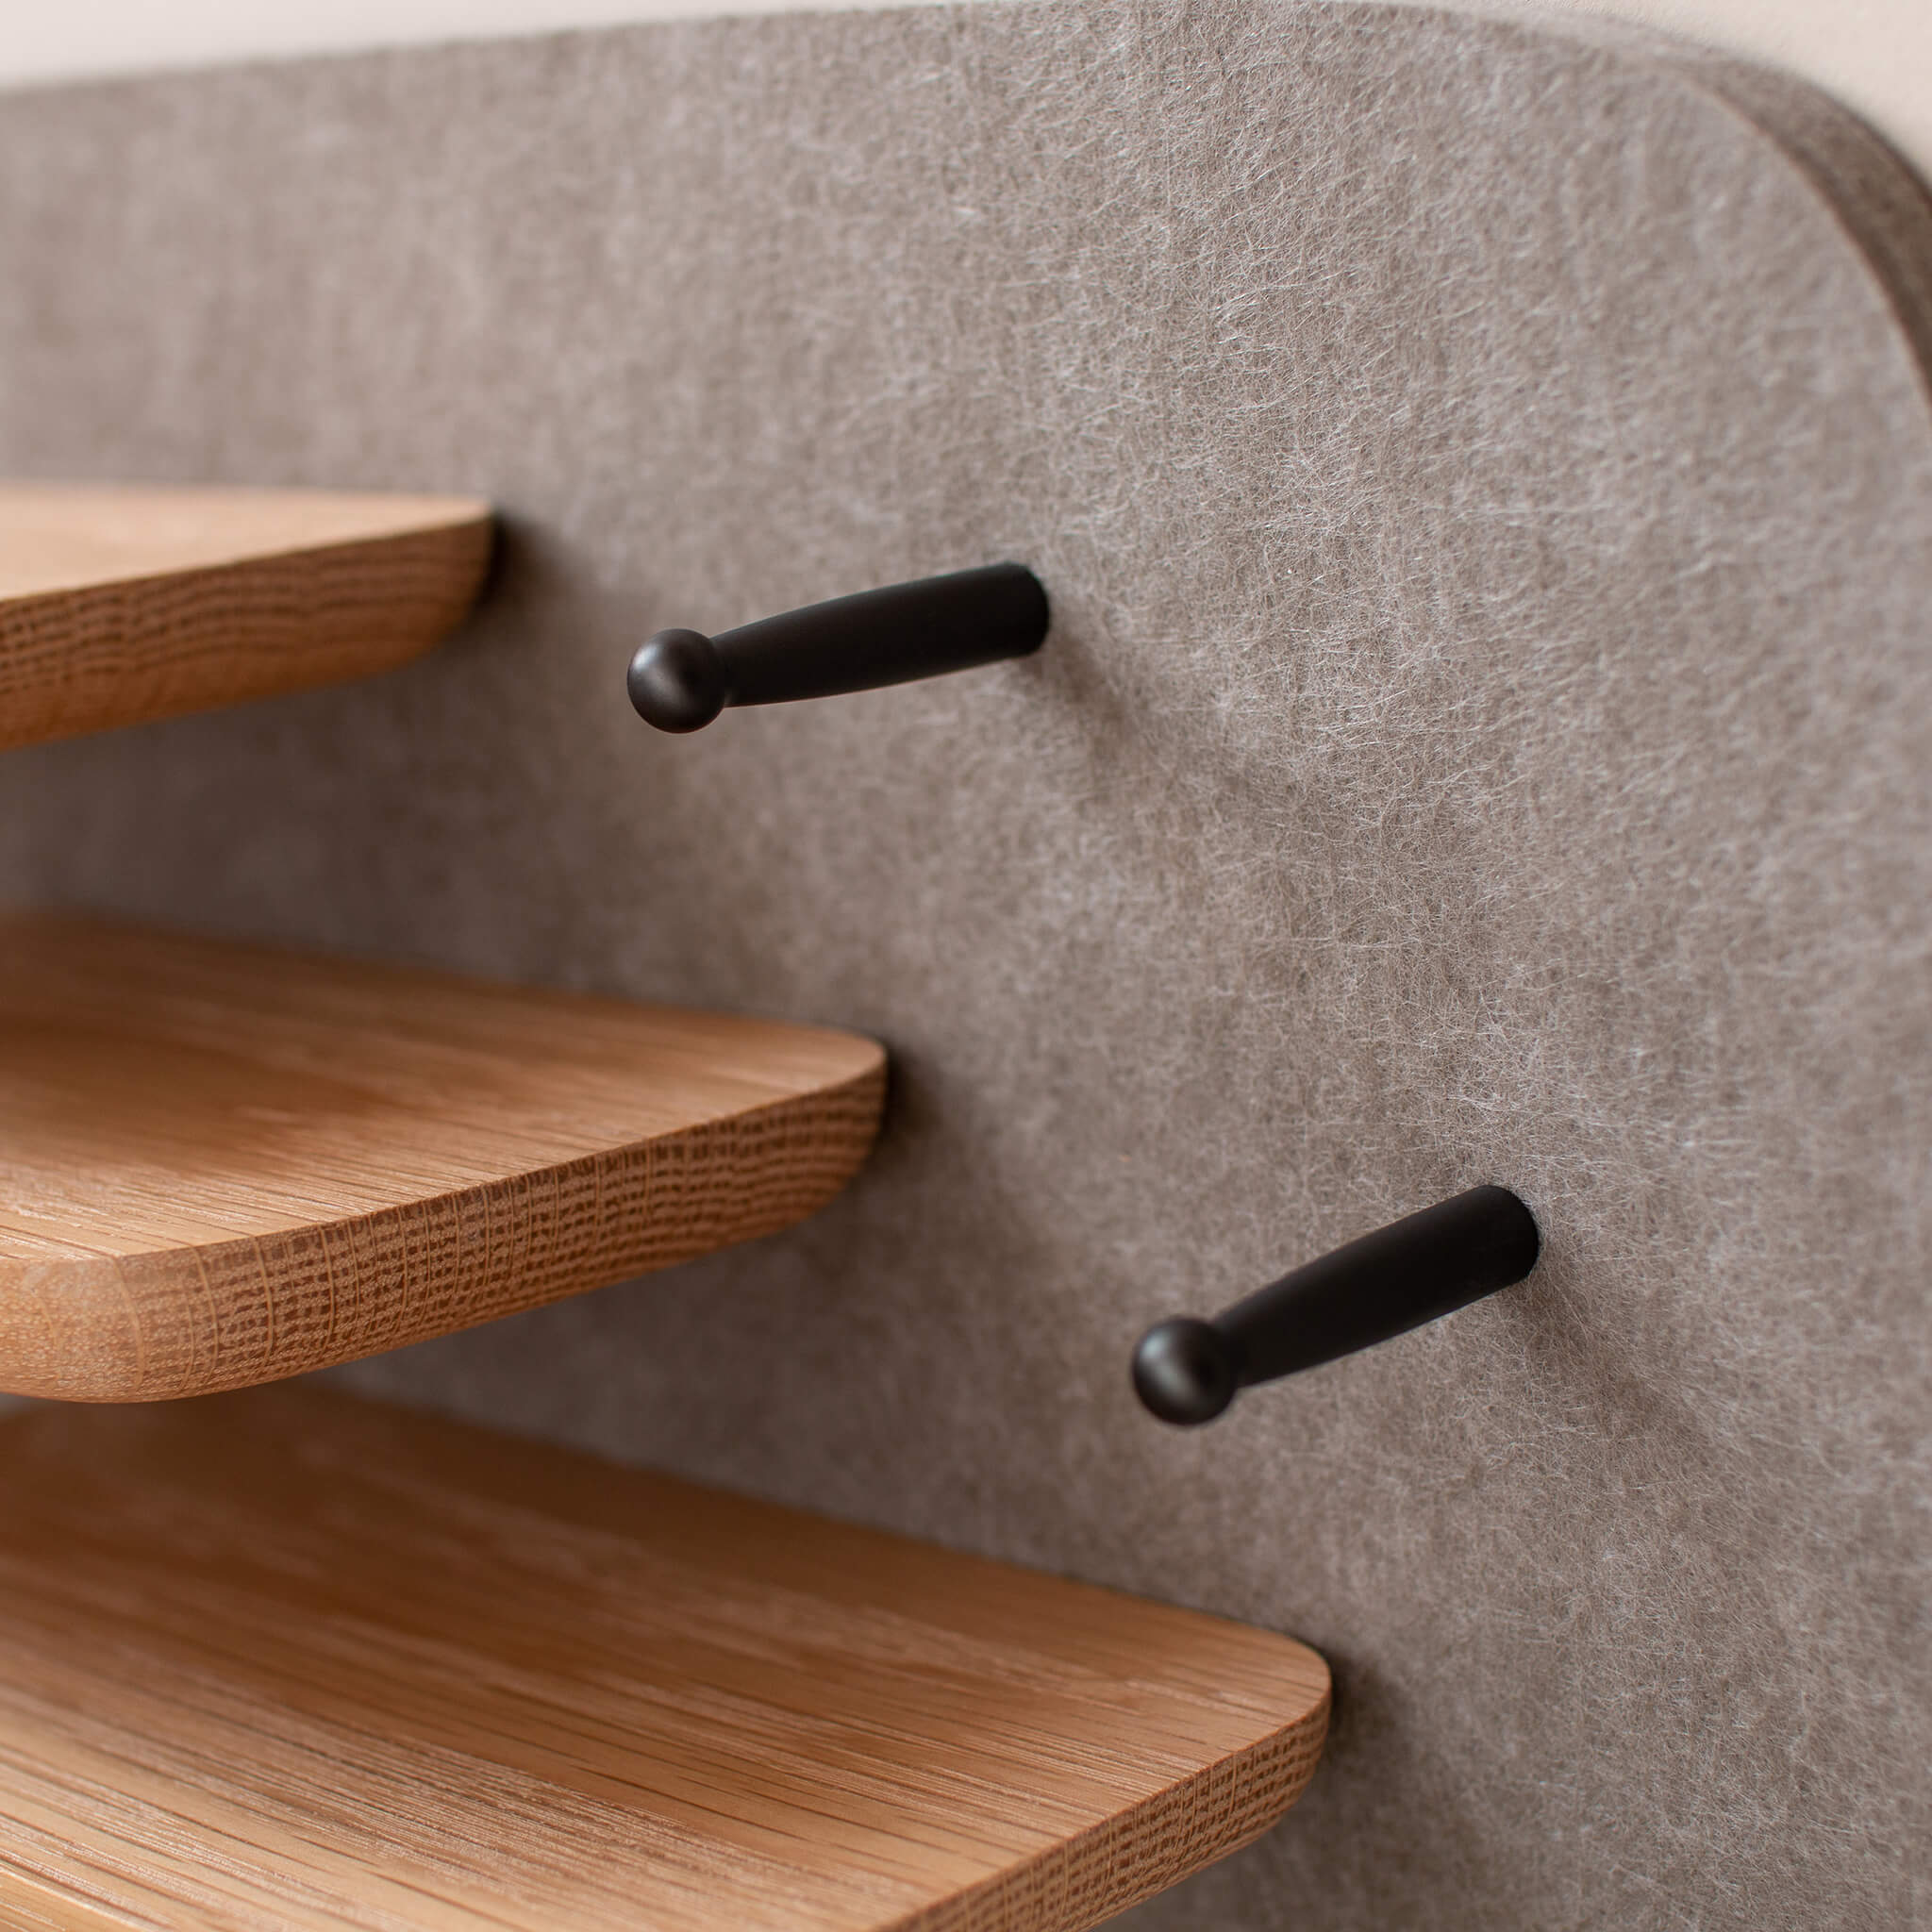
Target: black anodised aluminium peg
{"type": "Point", "coordinates": [1411, 1272]}
{"type": "Point", "coordinates": [681, 679]}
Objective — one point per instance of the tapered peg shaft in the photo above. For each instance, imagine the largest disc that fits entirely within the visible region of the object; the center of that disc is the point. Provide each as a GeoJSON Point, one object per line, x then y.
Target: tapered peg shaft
{"type": "Point", "coordinates": [1415, 1269]}
{"type": "Point", "coordinates": [679, 680]}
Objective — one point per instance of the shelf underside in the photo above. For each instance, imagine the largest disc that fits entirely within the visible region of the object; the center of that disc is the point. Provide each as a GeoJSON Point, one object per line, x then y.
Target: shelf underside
{"type": "Point", "coordinates": [122, 605]}
{"type": "Point", "coordinates": [222, 1164]}
{"type": "Point", "coordinates": [286, 1660]}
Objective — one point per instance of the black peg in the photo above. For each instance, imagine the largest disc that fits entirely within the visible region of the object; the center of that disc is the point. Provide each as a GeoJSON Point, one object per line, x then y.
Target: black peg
{"type": "Point", "coordinates": [681, 679]}
{"type": "Point", "coordinates": [1411, 1272]}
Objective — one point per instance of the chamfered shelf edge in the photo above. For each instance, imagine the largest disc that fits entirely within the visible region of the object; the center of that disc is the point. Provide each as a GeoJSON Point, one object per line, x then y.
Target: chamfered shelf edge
{"type": "Point", "coordinates": [121, 604]}
{"type": "Point", "coordinates": [288, 1660]}
{"type": "Point", "coordinates": [223, 1164]}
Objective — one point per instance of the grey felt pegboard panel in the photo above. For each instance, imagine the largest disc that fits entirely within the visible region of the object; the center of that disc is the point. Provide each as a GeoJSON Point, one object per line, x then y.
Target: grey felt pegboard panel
{"type": "Point", "coordinates": [1485, 478]}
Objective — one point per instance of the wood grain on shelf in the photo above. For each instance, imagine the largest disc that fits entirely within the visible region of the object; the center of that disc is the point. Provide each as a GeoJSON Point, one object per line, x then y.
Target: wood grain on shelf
{"type": "Point", "coordinates": [286, 1661]}
{"type": "Point", "coordinates": [222, 1164]}
{"type": "Point", "coordinates": [124, 604]}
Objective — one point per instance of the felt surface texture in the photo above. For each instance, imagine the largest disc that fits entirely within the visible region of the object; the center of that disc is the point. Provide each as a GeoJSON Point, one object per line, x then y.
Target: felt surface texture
{"type": "Point", "coordinates": [1483, 474]}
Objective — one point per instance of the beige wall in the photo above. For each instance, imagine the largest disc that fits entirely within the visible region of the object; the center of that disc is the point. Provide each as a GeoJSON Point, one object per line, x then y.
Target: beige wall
{"type": "Point", "coordinates": [1873, 54]}
{"type": "Point", "coordinates": [1876, 55]}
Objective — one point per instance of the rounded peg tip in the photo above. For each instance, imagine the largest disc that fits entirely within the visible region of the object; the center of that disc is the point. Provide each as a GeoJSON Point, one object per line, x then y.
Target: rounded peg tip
{"type": "Point", "coordinates": [677, 681]}
{"type": "Point", "coordinates": [1184, 1372]}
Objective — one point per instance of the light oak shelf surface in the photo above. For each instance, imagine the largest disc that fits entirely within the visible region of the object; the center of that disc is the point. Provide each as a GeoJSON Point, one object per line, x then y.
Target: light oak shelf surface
{"type": "Point", "coordinates": [122, 605]}
{"type": "Point", "coordinates": [222, 1164]}
{"type": "Point", "coordinates": [285, 1660]}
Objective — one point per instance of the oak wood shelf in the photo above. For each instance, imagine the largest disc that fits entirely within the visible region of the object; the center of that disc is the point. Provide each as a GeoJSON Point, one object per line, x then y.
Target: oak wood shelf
{"type": "Point", "coordinates": [119, 604]}
{"type": "Point", "coordinates": [285, 1660]}
{"type": "Point", "coordinates": [222, 1164]}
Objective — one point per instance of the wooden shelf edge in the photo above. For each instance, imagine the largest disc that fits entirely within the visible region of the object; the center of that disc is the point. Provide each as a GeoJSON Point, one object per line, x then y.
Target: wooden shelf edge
{"type": "Point", "coordinates": [340, 1147]}
{"type": "Point", "coordinates": [471, 1682]}
{"type": "Point", "coordinates": [277, 592]}
{"type": "Point", "coordinates": [1111, 1868]}
{"type": "Point", "coordinates": [88, 1330]}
